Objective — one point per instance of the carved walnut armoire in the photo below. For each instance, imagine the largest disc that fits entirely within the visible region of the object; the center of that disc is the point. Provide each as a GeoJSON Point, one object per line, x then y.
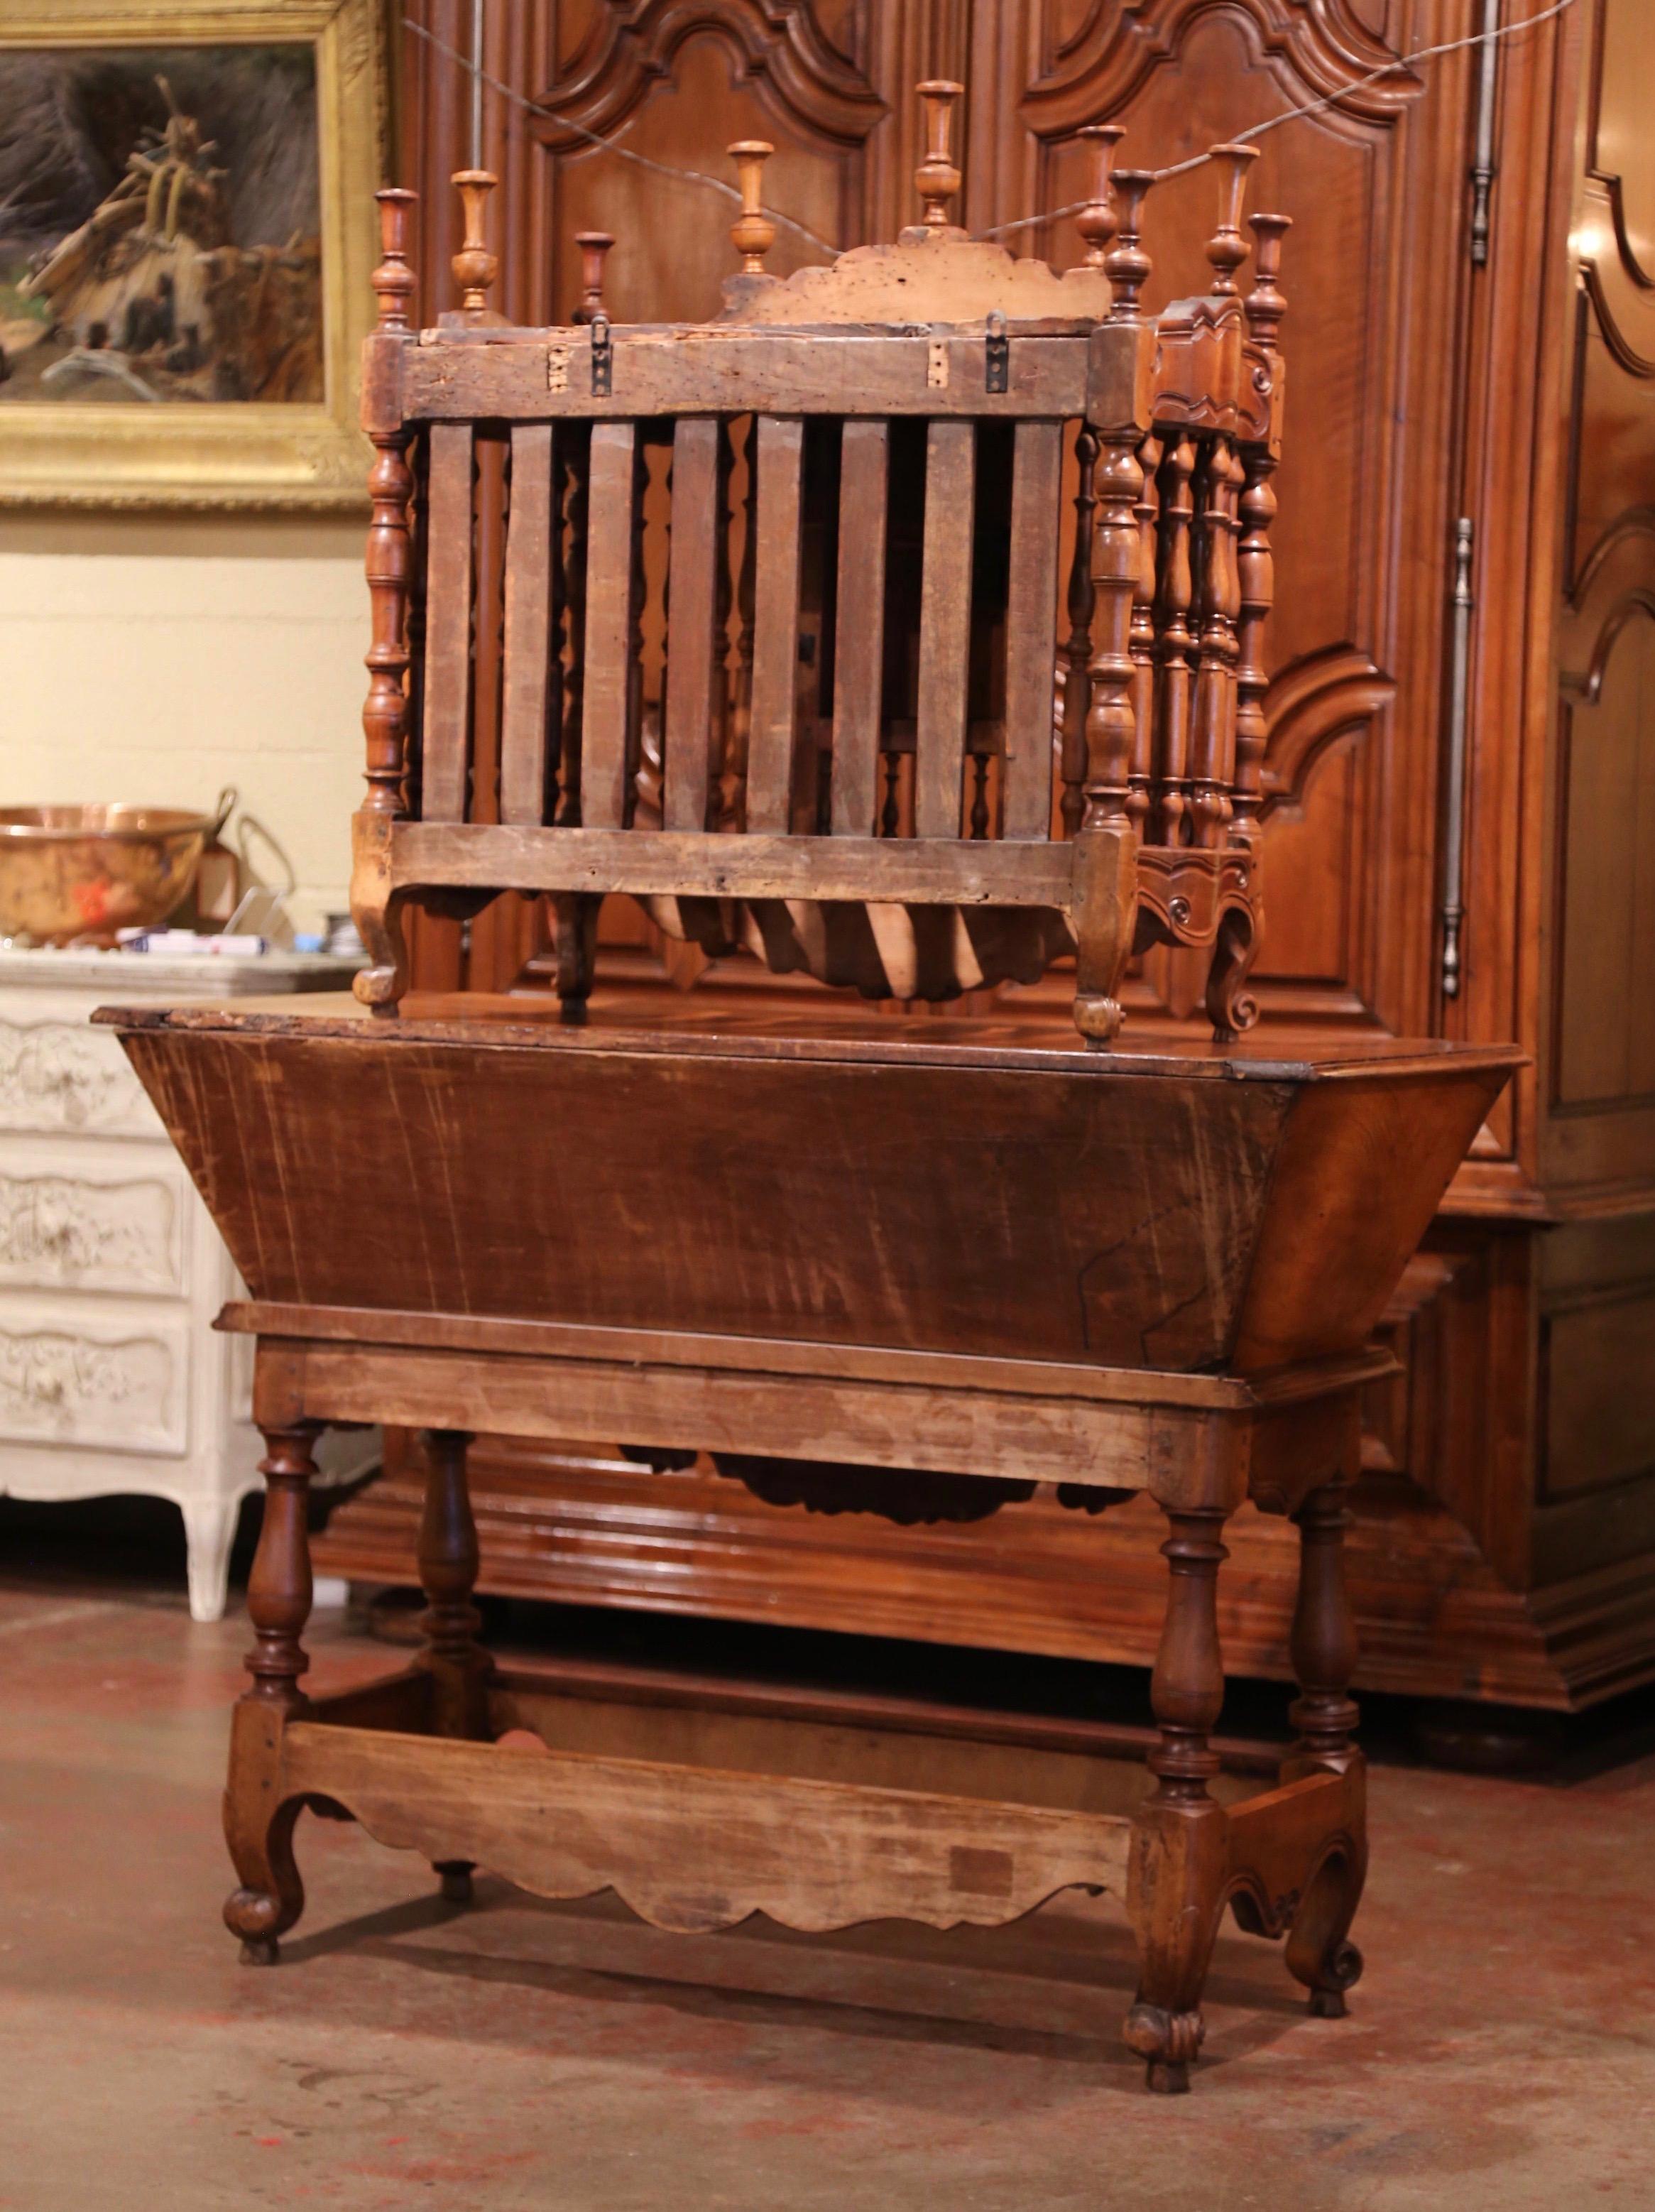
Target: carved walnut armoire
{"type": "Point", "coordinates": [1460, 775]}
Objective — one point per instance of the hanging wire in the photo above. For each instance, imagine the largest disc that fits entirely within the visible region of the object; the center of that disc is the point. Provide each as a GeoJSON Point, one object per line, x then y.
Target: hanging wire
{"type": "Point", "coordinates": [481, 76]}
{"type": "Point", "coordinates": [1310, 107]}
{"type": "Point", "coordinates": [595, 139]}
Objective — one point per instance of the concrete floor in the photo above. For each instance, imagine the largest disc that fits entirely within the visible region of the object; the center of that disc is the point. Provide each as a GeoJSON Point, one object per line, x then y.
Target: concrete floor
{"type": "Point", "coordinates": [1501, 2051]}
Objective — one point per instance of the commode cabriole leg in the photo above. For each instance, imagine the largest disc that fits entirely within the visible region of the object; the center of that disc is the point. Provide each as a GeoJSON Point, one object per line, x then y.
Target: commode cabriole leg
{"type": "Point", "coordinates": [259, 1824]}
{"type": "Point", "coordinates": [1180, 1846]}
{"type": "Point", "coordinates": [1323, 1647]}
{"type": "Point", "coordinates": [458, 1665]}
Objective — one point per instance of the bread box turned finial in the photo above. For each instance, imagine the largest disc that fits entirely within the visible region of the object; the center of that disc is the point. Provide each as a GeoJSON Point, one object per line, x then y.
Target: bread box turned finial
{"type": "Point", "coordinates": [1226, 249]}
{"type": "Point", "coordinates": [1264, 304]}
{"type": "Point", "coordinates": [937, 179]}
{"type": "Point", "coordinates": [752, 234]}
{"type": "Point", "coordinates": [594, 247]}
{"type": "Point", "coordinates": [393, 280]}
{"type": "Point", "coordinates": [474, 266]}
{"type": "Point", "coordinates": [1096, 220]}
{"type": "Point", "coordinates": [1126, 264]}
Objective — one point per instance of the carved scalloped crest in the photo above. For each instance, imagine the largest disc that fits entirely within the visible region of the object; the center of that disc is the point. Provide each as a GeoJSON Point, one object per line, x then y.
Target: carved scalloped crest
{"type": "Point", "coordinates": [938, 279]}
{"type": "Point", "coordinates": [568, 1824]}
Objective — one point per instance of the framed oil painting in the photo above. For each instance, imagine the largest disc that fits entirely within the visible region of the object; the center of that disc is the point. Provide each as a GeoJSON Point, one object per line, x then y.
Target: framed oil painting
{"type": "Point", "coordinates": [186, 230]}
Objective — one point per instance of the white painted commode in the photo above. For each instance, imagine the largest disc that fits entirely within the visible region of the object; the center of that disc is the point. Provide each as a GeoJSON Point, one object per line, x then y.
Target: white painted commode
{"type": "Point", "coordinates": [112, 1377]}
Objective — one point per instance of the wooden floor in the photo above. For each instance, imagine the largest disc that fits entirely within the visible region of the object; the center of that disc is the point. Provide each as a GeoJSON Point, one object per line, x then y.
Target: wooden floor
{"type": "Point", "coordinates": [1498, 2052]}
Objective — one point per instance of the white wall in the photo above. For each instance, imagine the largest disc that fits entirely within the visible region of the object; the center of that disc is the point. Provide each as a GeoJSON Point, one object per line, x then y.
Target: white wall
{"type": "Point", "coordinates": [156, 659]}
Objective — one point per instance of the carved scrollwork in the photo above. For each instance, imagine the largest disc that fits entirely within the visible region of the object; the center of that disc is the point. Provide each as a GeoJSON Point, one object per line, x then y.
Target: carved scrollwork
{"type": "Point", "coordinates": [1091, 1497]}
{"type": "Point", "coordinates": [1615, 585]}
{"type": "Point", "coordinates": [59, 1229]}
{"type": "Point", "coordinates": [1261, 1914]}
{"type": "Point", "coordinates": [1184, 892]}
{"type": "Point", "coordinates": [71, 1389]}
{"type": "Point", "coordinates": [60, 1075]}
{"type": "Point", "coordinates": [1309, 707]}
{"type": "Point", "coordinates": [907, 1497]}
{"type": "Point", "coordinates": [1198, 354]}
{"type": "Point", "coordinates": [780, 50]}
{"type": "Point", "coordinates": [1321, 49]}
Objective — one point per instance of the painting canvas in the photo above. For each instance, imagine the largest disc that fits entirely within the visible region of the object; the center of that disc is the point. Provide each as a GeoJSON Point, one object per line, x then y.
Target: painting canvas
{"type": "Point", "coordinates": [160, 225]}
{"type": "Point", "coordinates": [187, 231]}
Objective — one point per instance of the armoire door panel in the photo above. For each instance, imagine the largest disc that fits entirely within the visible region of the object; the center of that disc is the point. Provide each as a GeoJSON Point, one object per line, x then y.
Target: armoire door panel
{"type": "Point", "coordinates": [1311, 864]}
{"type": "Point", "coordinates": [1371, 271]}
{"type": "Point", "coordinates": [672, 249]}
{"type": "Point", "coordinates": [1600, 1082]}
{"type": "Point", "coordinates": [1605, 1011]}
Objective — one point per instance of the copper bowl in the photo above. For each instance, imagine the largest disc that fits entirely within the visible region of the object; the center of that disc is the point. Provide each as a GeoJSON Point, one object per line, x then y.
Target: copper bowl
{"type": "Point", "coordinates": [86, 871]}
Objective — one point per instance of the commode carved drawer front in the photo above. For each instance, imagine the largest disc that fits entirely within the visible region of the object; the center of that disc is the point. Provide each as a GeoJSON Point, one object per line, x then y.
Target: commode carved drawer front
{"type": "Point", "coordinates": [115, 1222]}
{"type": "Point", "coordinates": [120, 1385]}
{"type": "Point", "coordinates": [58, 1076]}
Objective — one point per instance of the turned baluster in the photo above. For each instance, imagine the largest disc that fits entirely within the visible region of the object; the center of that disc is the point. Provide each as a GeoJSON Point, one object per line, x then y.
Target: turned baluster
{"type": "Point", "coordinates": [1096, 220]}
{"type": "Point", "coordinates": [1323, 1639]}
{"type": "Point", "coordinates": [728, 781]}
{"type": "Point", "coordinates": [1323, 1644]}
{"type": "Point", "coordinates": [937, 179]}
{"type": "Point", "coordinates": [1076, 650]}
{"type": "Point", "coordinates": [279, 1586]}
{"type": "Point", "coordinates": [1220, 592]}
{"type": "Point", "coordinates": [458, 1664]}
{"type": "Point", "coordinates": [385, 711]}
{"type": "Point", "coordinates": [752, 234]}
{"type": "Point", "coordinates": [474, 266]}
{"type": "Point", "coordinates": [1178, 1848]}
{"type": "Point", "coordinates": [1141, 643]}
{"type": "Point", "coordinates": [979, 811]}
{"type": "Point", "coordinates": [1174, 642]}
{"type": "Point", "coordinates": [1127, 266]}
{"type": "Point", "coordinates": [741, 718]}
{"type": "Point", "coordinates": [596, 245]}
{"type": "Point", "coordinates": [448, 1561]}
{"type": "Point", "coordinates": [1220, 603]}
{"type": "Point", "coordinates": [637, 768]}
{"type": "Point", "coordinates": [576, 912]}
{"type": "Point", "coordinates": [890, 814]}
{"type": "Point", "coordinates": [1186, 1690]}
{"type": "Point", "coordinates": [1265, 307]}
{"type": "Point", "coordinates": [1118, 485]}
{"type": "Point", "coordinates": [575, 494]}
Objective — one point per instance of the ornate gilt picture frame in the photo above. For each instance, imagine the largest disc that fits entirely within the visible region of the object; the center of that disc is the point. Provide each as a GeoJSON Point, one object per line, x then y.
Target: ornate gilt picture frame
{"type": "Point", "coordinates": [188, 236]}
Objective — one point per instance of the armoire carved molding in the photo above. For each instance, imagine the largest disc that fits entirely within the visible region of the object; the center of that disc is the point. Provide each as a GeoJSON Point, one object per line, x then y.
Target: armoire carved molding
{"type": "Point", "coordinates": [1468, 640]}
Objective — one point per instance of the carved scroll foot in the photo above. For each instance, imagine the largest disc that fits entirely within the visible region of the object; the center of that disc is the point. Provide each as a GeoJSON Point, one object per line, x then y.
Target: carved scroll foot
{"type": "Point", "coordinates": [377, 910]}
{"type": "Point", "coordinates": [1170, 2041]}
{"type": "Point", "coordinates": [1231, 1007]}
{"type": "Point", "coordinates": [1105, 901]}
{"type": "Point", "coordinates": [1319, 1953]}
{"type": "Point", "coordinates": [270, 1896]}
{"type": "Point", "coordinates": [382, 983]}
{"type": "Point", "coordinates": [258, 1819]}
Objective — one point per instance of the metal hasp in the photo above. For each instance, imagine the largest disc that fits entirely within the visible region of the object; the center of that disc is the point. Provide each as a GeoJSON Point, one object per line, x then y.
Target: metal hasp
{"type": "Point", "coordinates": [602, 357]}
{"type": "Point", "coordinates": [1459, 693]}
{"type": "Point", "coordinates": [997, 369]}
